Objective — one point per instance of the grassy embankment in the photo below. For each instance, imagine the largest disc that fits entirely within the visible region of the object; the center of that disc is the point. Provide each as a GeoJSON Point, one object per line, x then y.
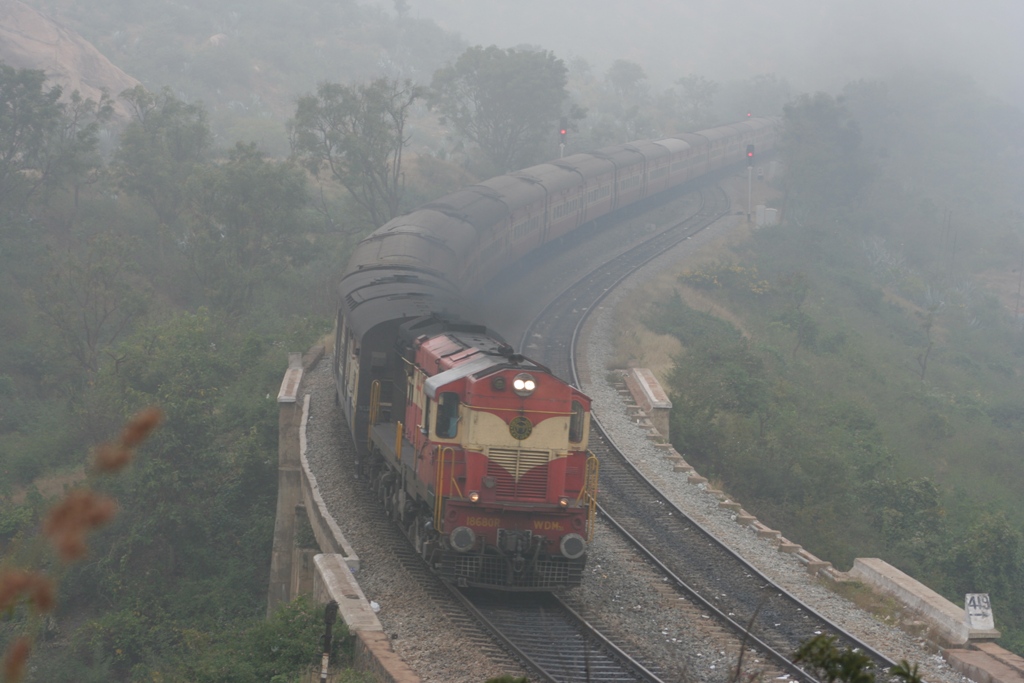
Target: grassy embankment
{"type": "Point", "coordinates": [855, 409]}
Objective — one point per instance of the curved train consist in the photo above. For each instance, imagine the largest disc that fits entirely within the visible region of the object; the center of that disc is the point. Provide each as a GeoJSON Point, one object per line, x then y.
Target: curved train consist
{"type": "Point", "coordinates": [480, 453]}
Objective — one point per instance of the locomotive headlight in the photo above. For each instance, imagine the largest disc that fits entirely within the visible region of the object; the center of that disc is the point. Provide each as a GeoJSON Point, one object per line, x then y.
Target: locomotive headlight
{"type": "Point", "coordinates": [573, 546]}
{"type": "Point", "coordinates": [474, 496]}
{"type": "Point", "coordinates": [564, 502]}
{"type": "Point", "coordinates": [524, 384]}
{"type": "Point", "coordinates": [463, 539]}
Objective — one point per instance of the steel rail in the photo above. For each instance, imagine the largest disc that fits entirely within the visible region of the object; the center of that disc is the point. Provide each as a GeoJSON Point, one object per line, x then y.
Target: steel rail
{"type": "Point", "coordinates": [556, 655]}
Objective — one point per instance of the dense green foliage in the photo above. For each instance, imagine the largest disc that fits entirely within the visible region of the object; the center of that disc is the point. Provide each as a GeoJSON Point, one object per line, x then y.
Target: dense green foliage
{"type": "Point", "coordinates": [179, 275]}
{"type": "Point", "coordinates": [275, 650]}
{"type": "Point", "coordinates": [356, 135]}
{"type": "Point", "coordinates": [867, 407]}
{"type": "Point", "coordinates": [831, 664]}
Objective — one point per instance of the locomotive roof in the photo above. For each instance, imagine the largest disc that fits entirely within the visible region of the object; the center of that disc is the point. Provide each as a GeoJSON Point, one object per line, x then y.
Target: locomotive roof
{"type": "Point", "coordinates": [486, 352]}
{"type": "Point", "coordinates": [479, 366]}
{"type": "Point", "coordinates": [375, 295]}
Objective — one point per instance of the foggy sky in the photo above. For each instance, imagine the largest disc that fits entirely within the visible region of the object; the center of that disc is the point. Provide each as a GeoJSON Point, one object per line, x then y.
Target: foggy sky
{"type": "Point", "coordinates": [815, 44]}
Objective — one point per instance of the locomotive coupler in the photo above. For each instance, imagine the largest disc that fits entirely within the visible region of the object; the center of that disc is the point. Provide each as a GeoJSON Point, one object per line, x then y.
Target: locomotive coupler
{"type": "Point", "coordinates": [514, 542]}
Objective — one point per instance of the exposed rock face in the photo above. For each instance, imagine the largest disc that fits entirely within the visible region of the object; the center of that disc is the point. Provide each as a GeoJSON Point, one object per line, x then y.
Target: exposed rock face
{"type": "Point", "coordinates": [30, 40]}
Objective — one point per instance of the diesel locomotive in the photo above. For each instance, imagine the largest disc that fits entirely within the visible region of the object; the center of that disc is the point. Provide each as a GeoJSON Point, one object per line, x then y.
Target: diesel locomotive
{"type": "Point", "coordinates": [478, 452]}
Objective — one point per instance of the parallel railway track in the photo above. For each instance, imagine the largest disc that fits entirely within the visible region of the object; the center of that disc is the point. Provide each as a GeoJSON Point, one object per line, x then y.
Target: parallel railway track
{"type": "Point", "coordinates": [764, 616]}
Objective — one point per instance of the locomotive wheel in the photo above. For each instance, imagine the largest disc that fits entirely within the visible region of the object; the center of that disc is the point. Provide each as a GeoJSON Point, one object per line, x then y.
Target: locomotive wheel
{"type": "Point", "coordinates": [393, 507]}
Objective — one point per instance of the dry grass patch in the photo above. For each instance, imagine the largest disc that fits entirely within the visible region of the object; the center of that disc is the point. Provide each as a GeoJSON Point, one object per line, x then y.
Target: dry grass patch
{"type": "Point", "coordinates": [699, 302]}
{"type": "Point", "coordinates": [635, 345]}
{"type": "Point", "coordinates": [885, 608]}
{"type": "Point", "coordinates": [51, 485]}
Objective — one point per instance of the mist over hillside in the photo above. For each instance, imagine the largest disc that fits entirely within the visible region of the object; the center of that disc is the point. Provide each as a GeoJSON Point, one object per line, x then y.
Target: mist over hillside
{"type": "Point", "coordinates": [172, 258]}
{"type": "Point", "coordinates": [815, 44]}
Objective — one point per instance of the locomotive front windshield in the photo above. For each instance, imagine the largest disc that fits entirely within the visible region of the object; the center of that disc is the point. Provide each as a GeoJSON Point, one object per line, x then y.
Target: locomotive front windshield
{"type": "Point", "coordinates": [447, 425]}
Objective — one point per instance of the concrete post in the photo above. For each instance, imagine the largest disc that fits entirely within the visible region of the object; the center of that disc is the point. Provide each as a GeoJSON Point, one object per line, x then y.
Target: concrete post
{"type": "Point", "coordinates": [289, 484]}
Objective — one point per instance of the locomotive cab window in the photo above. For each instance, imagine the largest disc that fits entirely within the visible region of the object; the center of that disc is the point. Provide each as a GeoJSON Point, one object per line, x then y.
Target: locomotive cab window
{"type": "Point", "coordinates": [576, 422]}
{"type": "Point", "coordinates": [447, 425]}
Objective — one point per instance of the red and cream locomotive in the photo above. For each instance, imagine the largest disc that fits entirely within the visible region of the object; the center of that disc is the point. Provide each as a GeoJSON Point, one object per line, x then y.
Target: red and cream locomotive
{"type": "Point", "coordinates": [487, 468]}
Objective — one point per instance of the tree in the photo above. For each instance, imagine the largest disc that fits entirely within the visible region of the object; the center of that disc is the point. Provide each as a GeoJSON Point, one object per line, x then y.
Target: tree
{"type": "Point", "coordinates": [821, 149]}
{"type": "Point", "coordinates": [627, 79]}
{"type": "Point", "coordinates": [201, 484]}
{"type": "Point", "coordinates": [92, 297]}
{"type": "Point", "coordinates": [357, 135]}
{"type": "Point", "coordinates": [243, 221]}
{"type": "Point", "coordinates": [698, 99]}
{"type": "Point", "coordinates": [507, 102]}
{"type": "Point", "coordinates": [74, 158]}
{"type": "Point", "coordinates": [160, 149]}
{"type": "Point", "coordinates": [29, 115]}
{"type": "Point", "coordinates": [908, 513]}
{"type": "Point", "coordinates": [988, 557]}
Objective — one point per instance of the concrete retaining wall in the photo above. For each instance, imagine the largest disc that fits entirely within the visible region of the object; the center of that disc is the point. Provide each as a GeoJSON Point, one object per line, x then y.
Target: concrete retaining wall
{"type": "Point", "coordinates": [949, 621]}
{"type": "Point", "coordinates": [650, 398]}
{"type": "Point", "coordinates": [288, 484]}
{"type": "Point", "coordinates": [373, 652]}
{"type": "Point", "coordinates": [328, 534]}
{"type": "Point", "coordinates": [327, 575]}
{"type": "Point", "coordinates": [987, 664]}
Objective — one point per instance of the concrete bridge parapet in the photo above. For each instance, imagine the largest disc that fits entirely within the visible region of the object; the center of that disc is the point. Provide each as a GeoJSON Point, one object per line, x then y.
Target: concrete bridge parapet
{"type": "Point", "coordinates": [289, 483]}
{"type": "Point", "coordinates": [947, 619]}
{"type": "Point", "coordinates": [650, 398]}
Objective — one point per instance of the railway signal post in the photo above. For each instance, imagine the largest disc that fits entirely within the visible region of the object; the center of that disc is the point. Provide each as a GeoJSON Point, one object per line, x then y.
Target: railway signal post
{"type": "Point", "coordinates": [750, 172]}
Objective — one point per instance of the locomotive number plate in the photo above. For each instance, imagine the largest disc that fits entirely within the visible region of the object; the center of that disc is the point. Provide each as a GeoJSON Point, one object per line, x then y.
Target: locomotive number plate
{"type": "Point", "coordinates": [520, 428]}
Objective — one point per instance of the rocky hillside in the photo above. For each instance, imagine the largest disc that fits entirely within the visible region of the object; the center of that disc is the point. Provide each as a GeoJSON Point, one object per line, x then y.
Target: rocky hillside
{"type": "Point", "coordinates": [30, 40]}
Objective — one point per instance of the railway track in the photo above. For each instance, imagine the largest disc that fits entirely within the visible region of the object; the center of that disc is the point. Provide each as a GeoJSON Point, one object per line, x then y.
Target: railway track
{"type": "Point", "coordinates": [559, 644]}
{"type": "Point", "coordinates": [536, 630]}
{"type": "Point", "coordinates": [763, 615]}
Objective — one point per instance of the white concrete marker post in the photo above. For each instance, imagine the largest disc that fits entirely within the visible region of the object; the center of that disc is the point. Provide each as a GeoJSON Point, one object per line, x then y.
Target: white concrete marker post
{"type": "Point", "coordinates": [978, 611]}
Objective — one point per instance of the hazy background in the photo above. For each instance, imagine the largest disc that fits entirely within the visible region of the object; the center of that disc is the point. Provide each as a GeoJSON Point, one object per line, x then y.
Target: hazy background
{"type": "Point", "coordinates": [155, 261]}
{"type": "Point", "coordinates": [814, 44]}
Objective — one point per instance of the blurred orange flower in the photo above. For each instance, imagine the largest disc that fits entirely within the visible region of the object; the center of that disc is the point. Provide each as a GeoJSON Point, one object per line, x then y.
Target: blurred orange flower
{"type": "Point", "coordinates": [15, 583]}
{"type": "Point", "coordinates": [139, 427]}
{"type": "Point", "coordinates": [16, 658]}
{"type": "Point", "coordinates": [69, 521]}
